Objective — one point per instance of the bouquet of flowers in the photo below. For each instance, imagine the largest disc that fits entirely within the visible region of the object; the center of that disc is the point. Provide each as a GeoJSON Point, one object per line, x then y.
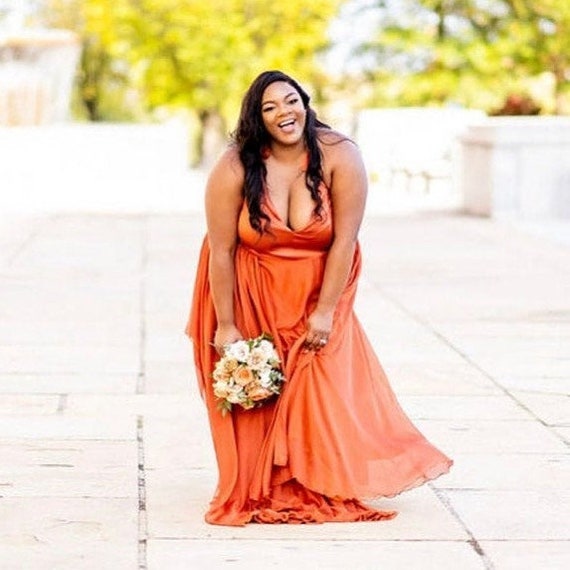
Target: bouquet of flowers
{"type": "Point", "coordinates": [248, 373]}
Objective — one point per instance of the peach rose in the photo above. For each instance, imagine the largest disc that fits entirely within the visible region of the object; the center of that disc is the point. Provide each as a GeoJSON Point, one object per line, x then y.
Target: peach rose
{"type": "Point", "coordinates": [221, 390]}
{"type": "Point", "coordinates": [257, 393]}
{"type": "Point", "coordinates": [243, 376]}
{"type": "Point", "coordinates": [220, 375]}
{"type": "Point", "coordinates": [230, 365]}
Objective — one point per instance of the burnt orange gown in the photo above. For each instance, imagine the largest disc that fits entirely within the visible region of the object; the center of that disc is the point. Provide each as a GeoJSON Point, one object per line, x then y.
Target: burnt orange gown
{"type": "Point", "coordinates": [336, 434]}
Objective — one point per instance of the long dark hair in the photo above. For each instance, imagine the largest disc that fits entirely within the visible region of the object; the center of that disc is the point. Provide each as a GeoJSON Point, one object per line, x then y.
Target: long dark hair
{"type": "Point", "coordinates": [251, 138]}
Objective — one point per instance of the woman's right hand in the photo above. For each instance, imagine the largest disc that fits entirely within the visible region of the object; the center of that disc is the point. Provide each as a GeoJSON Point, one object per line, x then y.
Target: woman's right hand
{"type": "Point", "coordinates": [226, 334]}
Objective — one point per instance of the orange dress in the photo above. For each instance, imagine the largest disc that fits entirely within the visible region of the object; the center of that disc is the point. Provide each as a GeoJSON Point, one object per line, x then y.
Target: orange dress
{"type": "Point", "coordinates": [336, 434]}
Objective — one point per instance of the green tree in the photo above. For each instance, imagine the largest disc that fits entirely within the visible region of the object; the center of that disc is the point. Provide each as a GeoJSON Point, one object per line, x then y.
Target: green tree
{"type": "Point", "coordinates": [469, 51]}
{"type": "Point", "coordinates": [193, 54]}
{"type": "Point", "coordinates": [201, 55]}
{"type": "Point", "coordinates": [103, 79]}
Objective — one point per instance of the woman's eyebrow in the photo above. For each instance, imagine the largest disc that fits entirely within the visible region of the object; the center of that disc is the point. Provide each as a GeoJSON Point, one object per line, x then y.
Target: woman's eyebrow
{"type": "Point", "coordinates": [271, 100]}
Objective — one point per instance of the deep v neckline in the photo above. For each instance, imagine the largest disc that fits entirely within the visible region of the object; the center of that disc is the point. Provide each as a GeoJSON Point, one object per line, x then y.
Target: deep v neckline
{"type": "Point", "coordinates": [276, 215]}
{"type": "Point", "coordinates": [271, 204]}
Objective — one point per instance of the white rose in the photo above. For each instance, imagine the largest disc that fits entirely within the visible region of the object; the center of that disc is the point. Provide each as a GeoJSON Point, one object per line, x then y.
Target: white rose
{"type": "Point", "coordinates": [233, 398]}
{"type": "Point", "coordinates": [267, 349]}
{"type": "Point", "coordinates": [236, 395]}
{"type": "Point", "coordinates": [257, 359]}
{"type": "Point", "coordinates": [265, 378]}
{"type": "Point", "coordinates": [238, 350]}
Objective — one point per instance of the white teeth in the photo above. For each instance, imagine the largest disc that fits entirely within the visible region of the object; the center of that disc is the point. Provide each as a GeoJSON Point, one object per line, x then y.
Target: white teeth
{"type": "Point", "coordinates": [286, 123]}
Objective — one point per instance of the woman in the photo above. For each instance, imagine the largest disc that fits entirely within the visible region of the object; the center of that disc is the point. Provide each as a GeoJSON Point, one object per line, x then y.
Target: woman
{"type": "Point", "coordinates": [283, 205]}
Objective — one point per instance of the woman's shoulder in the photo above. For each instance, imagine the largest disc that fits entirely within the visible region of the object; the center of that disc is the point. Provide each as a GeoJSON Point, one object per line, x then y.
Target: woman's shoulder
{"type": "Point", "coordinates": [230, 159]}
{"type": "Point", "coordinates": [229, 168]}
{"type": "Point", "coordinates": [330, 136]}
{"type": "Point", "coordinates": [336, 146]}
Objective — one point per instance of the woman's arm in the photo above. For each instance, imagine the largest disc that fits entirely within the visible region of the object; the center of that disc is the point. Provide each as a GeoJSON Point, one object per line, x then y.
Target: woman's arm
{"type": "Point", "coordinates": [348, 189]}
{"type": "Point", "coordinates": [223, 202]}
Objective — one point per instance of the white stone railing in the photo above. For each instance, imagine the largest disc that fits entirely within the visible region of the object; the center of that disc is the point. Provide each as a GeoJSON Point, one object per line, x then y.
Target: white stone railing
{"type": "Point", "coordinates": [415, 144]}
{"type": "Point", "coordinates": [516, 167]}
{"type": "Point", "coordinates": [97, 167]}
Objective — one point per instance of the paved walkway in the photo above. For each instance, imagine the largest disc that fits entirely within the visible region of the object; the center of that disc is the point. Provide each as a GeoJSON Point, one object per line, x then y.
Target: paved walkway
{"type": "Point", "coordinates": [105, 457]}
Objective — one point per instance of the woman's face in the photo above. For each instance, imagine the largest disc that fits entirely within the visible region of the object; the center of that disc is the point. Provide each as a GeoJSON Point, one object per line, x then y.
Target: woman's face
{"type": "Point", "coordinates": [283, 113]}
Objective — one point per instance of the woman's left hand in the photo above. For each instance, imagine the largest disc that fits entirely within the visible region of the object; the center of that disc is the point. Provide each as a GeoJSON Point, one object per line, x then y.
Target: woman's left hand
{"type": "Point", "coordinates": [319, 327]}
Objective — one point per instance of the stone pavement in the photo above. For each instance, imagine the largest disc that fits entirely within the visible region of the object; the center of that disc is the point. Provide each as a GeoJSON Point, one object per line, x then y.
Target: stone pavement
{"type": "Point", "coordinates": [105, 456]}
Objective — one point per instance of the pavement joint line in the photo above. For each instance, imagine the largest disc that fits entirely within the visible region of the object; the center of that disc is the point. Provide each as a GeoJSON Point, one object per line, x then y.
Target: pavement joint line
{"type": "Point", "coordinates": [141, 376]}
{"type": "Point", "coordinates": [61, 404]}
{"type": "Point", "coordinates": [426, 324]}
{"type": "Point", "coordinates": [31, 236]}
{"type": "Point", "coordinates": [65, 438]}
{"type": "Point", "coordinates": [39, 393]}
{"type": "Point", "coordinates": [71, 497]}
{"type": "Point", "coordinates": [62, 396]}
{"type": "Point", "coordinates": [141, 484]}
{"type": "Point", "coordinates": [473, 542]}
{"type": "Point", "coordinates": [527, 539]}
{"type": "Point", "coordinates": [478, 420]}
{"type": "Point", "coordinates": [539, 393]}
{"type": "Point", "coordinates": [328, 540]}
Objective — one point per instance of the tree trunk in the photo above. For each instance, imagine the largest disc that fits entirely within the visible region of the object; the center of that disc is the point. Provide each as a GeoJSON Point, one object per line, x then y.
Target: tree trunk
{"type": "Point", "coordinates": [197, 141]}
{"type": "Point", "coordinates": [93, 69]}
{"type": "Point", "coordinates": [440, 11]}
{"type": "Point", "coordinates": [210, 138]}
{"type": "Point", "coordinates": [560, 81]}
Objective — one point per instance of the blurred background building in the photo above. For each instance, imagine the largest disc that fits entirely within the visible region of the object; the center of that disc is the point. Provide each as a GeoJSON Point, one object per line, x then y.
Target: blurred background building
{"type": "Point", "coordinates": [37, 68]}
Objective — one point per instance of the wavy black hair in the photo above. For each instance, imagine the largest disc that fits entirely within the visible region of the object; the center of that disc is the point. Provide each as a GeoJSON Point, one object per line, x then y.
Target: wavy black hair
{"type": "Point", "coordinates": [251, 139]}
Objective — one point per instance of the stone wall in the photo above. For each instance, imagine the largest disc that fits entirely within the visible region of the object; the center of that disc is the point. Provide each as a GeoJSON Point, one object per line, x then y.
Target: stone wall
{"type": "Point", "coordinates": [516, 167]}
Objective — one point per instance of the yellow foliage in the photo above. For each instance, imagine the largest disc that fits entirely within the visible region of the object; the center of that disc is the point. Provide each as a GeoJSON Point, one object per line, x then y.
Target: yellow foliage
{"type": "Point", "coordinates": [194, 53]}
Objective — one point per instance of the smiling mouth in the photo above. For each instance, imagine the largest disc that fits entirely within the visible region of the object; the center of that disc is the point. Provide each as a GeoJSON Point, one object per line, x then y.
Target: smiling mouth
{"type": "Point", "coordinates": [287, 123]}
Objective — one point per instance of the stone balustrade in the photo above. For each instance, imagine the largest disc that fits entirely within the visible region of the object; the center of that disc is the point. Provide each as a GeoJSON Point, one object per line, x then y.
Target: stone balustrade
{"type": "Point", "coordinates": [97, 167]}
{"type": "Point", "coordinates": [516, 167]}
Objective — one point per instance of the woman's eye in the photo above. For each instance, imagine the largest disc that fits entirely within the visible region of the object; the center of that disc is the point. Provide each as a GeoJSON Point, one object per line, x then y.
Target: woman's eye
{"type": "Point", "coordinates": [293, 101]}
{"type": "Point", "coordinates": [267, 109]}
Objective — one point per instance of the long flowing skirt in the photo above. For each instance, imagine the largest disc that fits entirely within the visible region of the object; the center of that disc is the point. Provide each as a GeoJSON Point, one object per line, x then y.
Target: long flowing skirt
{"type": "Point", "coordinates": [337, 434]}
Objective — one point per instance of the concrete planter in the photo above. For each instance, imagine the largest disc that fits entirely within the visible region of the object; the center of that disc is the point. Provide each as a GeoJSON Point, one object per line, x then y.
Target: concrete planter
{"type": "Point", "coordinates": [516, 167]}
